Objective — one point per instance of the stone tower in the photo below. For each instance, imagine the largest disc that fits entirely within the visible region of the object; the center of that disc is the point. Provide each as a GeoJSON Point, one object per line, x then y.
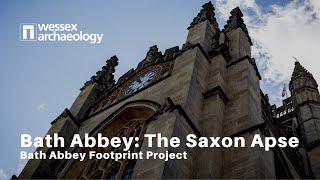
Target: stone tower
{"type": "Point", "coordinates": [306, 100]}
{"type": "Point", "coordinates": [209, 87]}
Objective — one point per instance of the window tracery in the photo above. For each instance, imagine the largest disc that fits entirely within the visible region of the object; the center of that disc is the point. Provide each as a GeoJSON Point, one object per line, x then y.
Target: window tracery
{"type": "Point", "coordinates": [111, 169]}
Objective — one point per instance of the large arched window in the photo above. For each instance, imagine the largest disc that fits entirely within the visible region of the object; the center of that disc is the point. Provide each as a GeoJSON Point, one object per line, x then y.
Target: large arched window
{"type": "Point", "coordinates": [111, 169]}
{"type": "Point", "coordinates": [128, 121]}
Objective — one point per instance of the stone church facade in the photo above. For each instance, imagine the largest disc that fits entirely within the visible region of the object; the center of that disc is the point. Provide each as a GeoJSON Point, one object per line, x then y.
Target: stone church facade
{"type": "Point", "coordinates": [209, 87]}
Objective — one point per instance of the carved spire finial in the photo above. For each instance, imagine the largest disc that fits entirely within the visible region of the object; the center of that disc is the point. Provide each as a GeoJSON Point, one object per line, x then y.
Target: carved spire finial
{"type": "Point", "coordinates": [206, 13]}
{"type": "Point", "coordinates": [113, 61]}
{"type": "Point", "coordinates": [153, 56]}
{"type": "Point", "coordinates": [105, 77]}
{"type": "Point", "coordinates": [235, 21]}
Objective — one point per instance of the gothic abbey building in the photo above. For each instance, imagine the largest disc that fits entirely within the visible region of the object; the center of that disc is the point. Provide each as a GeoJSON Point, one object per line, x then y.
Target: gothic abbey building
{"type": "Point", "coordinates": [208, 87]}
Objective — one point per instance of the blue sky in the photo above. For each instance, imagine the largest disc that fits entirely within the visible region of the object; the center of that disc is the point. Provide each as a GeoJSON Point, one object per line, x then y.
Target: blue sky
{"type": "Point", "coordinates": [38, 80]}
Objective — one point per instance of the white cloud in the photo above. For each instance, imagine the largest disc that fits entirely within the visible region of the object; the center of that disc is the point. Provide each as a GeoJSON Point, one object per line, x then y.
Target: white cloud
{"type": "Point", "coordinates": [223, 7]}
{"type": "Point", "coordinates": [3, 175]}
{"type": "Point", "coordinates": [284, 31]}
{"type": "Point", "coordinates": [316, 4]}
{"type": "Point", "coordinates": [41, 107]}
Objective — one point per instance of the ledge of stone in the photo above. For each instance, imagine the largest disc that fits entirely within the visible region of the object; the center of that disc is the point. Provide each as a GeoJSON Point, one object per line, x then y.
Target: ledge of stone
{"type": "Point", "coordinates": [216, 90]}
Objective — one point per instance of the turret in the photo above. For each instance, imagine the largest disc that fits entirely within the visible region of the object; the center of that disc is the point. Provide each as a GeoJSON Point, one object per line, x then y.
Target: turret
{"type": "Point", "coordinates": [303, 79]}
{"type": "Point", "coordinates": [237, 33]}
{"type": "Point", "coordinates": [306, 100]}
{"type": "Point", "coordinates": [203, 27]}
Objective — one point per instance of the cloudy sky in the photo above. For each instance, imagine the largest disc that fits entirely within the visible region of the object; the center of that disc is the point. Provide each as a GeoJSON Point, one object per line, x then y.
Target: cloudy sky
{"type": "Point", "coordinates": [280, 30]}
{"type": "Point", "coordinates": [38, 80]}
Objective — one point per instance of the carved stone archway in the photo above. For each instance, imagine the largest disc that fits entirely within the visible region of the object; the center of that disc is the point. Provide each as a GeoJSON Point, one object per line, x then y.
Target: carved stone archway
{"type": "Point", "coordinates": [130, 120]}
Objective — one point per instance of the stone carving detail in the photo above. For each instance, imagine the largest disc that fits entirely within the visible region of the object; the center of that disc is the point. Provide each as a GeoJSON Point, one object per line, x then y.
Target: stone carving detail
{"type": "Point", "coordinates": [235, 21]}
{"type": "Point", "coordinates": [116, 94]}
{"type": "Point", "coordinates": [206, 13]}
{"type": "Point", "coordinates": [154, 60]}
{"type": "Point", "coordinates": [171, 53]}
{"type": "Point", "coordinates": [125, 76]}
{"type": "Point", "coordinates": [111, 169]}
{"type": "Point", "coordinates": [105, 77]}
{"type": "Point", "coordinates": [153, 56]}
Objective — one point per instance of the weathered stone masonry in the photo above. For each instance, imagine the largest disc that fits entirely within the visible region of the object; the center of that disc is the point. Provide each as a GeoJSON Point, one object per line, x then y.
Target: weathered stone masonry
{"type": "Point", "coordinates": [209, 87]}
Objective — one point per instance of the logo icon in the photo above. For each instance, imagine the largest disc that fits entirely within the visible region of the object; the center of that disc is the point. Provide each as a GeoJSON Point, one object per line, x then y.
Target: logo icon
{"type": "Point", "coordinates": [57, 33]}
{"type": "Point", "coordinates": [28, 32]}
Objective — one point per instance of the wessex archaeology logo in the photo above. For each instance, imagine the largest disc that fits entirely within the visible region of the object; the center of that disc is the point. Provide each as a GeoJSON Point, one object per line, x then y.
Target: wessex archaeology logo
{"type": "Point", "coordinates": [57, 32]}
